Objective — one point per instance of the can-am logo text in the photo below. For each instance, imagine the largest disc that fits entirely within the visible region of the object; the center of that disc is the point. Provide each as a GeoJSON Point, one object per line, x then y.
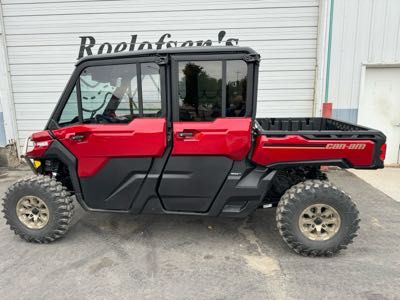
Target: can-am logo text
{"type": "Point", "coordinates": [88, 44]}
{"type": "Point", "coordinates": [346, 146]}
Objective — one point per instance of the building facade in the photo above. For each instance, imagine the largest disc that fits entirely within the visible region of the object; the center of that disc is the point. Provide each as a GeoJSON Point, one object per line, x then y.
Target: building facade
{"type": "Point", "coordinates": [312, 51]}
{"type": "Point", "coordinates": [364, 81]}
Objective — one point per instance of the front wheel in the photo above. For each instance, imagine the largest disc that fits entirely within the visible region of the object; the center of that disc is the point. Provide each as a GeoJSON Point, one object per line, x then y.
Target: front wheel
{"type": "Point", "coordinates": [315, 218]}
{"type": "Point", "coordinates": [38, 209]}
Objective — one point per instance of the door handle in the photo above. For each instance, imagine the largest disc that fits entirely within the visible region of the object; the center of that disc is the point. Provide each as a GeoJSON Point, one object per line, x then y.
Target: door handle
{"type": "Point", "coordinates": [76, 137]}
{"type": "Point", "coordinates": [185, 134]}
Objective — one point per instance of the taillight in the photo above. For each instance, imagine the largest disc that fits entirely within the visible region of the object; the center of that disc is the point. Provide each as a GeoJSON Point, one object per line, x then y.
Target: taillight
{"type": "Point", "coordinates": [382, 155]}
{"type": "Point", "coordinates": [41, 142]}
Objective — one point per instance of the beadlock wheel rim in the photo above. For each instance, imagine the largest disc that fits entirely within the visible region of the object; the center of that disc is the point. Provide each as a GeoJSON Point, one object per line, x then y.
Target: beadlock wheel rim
{"type": "Point", "coordinates": [32, 212]}
{"type": "Point", "coordinates": [319, 222]}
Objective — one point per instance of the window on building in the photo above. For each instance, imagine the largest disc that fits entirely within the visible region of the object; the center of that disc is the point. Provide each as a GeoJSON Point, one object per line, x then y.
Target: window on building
{"type": "Point", "coordinates": [200, 93]}
{"type": "Point", "coordinates": [113, 94]}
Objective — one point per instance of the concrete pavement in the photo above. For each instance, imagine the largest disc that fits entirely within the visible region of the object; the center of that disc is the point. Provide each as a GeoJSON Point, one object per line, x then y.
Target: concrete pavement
{"type": "Point", "coordinates": [386, 180]}
{"type": "Point", "coordinates": [111, 256]}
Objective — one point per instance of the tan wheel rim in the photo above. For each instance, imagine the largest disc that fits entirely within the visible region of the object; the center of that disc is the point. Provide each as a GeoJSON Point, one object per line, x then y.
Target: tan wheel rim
{"type": "Point", "coordinates": [319, 222]}
{"type": "Point", "coordinates": [32, 212]}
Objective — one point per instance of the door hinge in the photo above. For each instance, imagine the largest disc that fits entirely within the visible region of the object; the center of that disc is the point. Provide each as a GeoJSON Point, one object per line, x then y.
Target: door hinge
{"type": "Point", "coordinates": [169, 132]}
{"type": "Point", "coordinates": [169, 136]}
{"type": "Point", "coordinates": [252, 57]}
{"type": "Point", "coordinates": [161, 60]}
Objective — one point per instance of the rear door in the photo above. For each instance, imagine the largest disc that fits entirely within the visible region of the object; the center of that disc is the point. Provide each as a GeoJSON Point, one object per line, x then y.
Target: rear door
{"type": "Point", "coordinates": [114, 124]}
{"type": "Point", "coordinates": [211, 128]}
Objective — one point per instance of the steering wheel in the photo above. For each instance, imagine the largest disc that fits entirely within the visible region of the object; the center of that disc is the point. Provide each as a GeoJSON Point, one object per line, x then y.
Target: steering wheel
{"type": "Point", "coordinates": [101, 119]}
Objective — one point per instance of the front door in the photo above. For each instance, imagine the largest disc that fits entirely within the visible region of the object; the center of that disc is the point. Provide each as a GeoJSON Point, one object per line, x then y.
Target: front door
{"type": "Point", "coordinates": [211, 129]}
{"type": "Point", "coordinates": [114, 124]}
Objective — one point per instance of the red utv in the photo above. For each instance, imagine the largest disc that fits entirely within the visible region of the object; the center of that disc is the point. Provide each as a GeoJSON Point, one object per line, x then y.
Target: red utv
{"type": "Point", "coordinates": [174, 132]}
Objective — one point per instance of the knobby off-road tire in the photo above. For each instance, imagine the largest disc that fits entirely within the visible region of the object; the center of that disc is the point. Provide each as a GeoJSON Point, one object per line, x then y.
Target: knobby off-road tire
{"type": "Point", "coordinates": [301, 205]}
{"type": "Point", "coordinates": [53, 214]}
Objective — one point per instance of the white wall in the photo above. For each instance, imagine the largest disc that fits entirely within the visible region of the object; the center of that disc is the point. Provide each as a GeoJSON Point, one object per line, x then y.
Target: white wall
{"type": "Point", "coordinates": [42, 39]}
{"type": "Point", "coordinates": [8, 131]}
{"type": "Point", "coordinates": [364, 32]}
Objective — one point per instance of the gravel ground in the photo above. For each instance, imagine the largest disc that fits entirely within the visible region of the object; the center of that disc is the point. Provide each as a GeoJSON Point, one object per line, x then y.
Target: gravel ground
{"type": "Point", "coordinates": [181, 257]}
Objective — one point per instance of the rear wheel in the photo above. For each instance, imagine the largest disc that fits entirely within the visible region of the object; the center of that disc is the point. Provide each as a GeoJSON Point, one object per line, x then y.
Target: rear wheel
{"type": "Point", "coordinates": [38, 209]}
{"type": "Point", "coordinates": [315, 218]}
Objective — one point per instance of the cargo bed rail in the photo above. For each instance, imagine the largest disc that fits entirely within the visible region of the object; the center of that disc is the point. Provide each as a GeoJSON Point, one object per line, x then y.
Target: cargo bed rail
{"type": "Point", "coordinates": [315, 128]}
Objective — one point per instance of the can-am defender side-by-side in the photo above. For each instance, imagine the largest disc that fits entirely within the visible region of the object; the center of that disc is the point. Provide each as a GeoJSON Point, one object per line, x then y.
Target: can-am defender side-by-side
{"type": "Point", "coordinates": [174, 132]}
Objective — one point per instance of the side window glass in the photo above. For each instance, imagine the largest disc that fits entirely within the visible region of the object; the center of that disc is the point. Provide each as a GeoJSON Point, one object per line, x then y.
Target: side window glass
{"type": "Point", "coordinates": [115, 94]}
{"type": "Point", "coordinates": [129, 104]}
{"type": "Point", "coordinates": [109, 94]}
{"type": "Point", "coordinates": [151, 90]}
{"type": "Point", "coordinates": [236, 88]}
{"type": "Point", "coordinates": [69, 114]}
{"type": "Point", "coordinates": [200, 90]}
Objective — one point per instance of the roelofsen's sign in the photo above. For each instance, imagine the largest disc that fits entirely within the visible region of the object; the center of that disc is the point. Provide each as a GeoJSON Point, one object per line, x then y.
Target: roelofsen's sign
{"type": "Point", "coordinates": [88, 44]}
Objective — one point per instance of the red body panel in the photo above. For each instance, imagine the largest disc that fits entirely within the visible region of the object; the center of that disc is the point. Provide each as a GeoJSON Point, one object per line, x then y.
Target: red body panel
{"type": "Point", "coordinates": [144, 137]}
{"type": "Point", "coordinates": [230, 137]}
{"type": "Point", "coordinates": [295, 148]}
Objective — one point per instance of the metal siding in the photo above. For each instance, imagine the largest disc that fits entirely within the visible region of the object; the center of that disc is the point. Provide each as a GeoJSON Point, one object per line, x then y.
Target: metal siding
{"type": "Point", "coordinates": [43, 43]}
{"type": "Point", "coordinates": [364, 32]}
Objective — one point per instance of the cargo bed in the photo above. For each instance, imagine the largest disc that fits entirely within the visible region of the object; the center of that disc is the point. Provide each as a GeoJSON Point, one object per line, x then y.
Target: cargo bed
{"type": "Point", "coordinates": [283, 142]}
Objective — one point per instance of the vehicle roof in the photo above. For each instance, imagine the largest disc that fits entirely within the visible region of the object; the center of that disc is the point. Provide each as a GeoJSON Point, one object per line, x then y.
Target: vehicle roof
{"type": "Point", "coordinates": [172, 50]}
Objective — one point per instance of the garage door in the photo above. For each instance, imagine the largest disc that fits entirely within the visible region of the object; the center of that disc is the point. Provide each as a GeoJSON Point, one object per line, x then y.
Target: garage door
{"type": "Point", "coordinates": [380, 107]}
{"type": "Point", "coordinates": [43, 39]}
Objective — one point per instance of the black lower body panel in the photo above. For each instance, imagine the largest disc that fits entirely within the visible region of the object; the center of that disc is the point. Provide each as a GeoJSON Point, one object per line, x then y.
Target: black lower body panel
{"type": "Point", "coordinates": [242, 191]}
{"type": "Point", "coordinates": [116, 185]}
{"type": "Point", "coordinates": [191, 183]}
